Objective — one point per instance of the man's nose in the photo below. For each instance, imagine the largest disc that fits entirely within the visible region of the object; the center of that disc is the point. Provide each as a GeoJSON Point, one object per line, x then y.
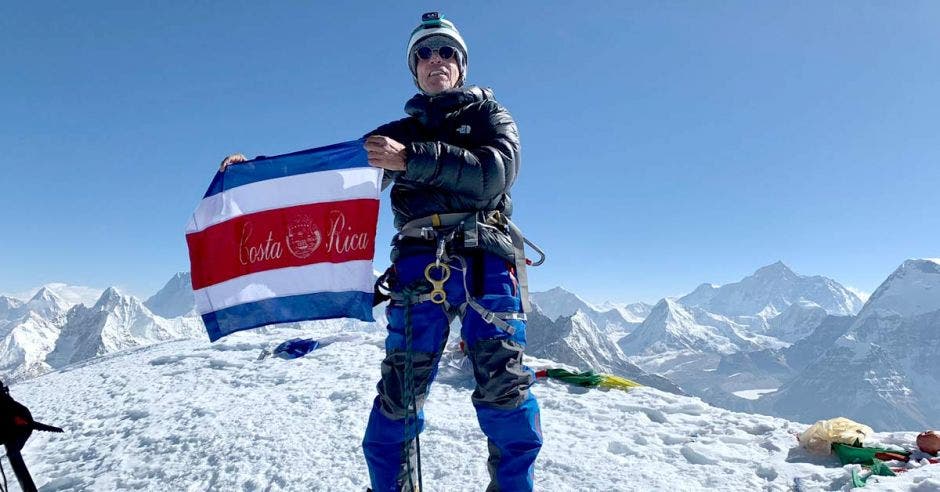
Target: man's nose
{"type": "Point", "coordinates": [435, 57]}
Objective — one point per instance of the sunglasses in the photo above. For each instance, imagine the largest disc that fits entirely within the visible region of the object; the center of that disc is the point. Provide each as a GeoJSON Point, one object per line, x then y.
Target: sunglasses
{"type": "Point", "coordinates": [445, 52]}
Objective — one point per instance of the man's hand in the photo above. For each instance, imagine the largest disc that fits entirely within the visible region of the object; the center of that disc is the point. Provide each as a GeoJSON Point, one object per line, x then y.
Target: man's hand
{"type": "Point", "coordinates": [386, 153]}
{"type": "Point", "coordinates": [232, 159]}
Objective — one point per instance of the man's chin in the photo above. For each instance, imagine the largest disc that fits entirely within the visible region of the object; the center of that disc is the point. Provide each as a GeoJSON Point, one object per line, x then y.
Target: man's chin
{"type": "Point", "coordinates": [434, 89]}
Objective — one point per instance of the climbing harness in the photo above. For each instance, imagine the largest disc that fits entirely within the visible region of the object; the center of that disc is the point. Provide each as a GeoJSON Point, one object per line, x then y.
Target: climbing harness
{"type": "Point", "coordinates": [443, 229]}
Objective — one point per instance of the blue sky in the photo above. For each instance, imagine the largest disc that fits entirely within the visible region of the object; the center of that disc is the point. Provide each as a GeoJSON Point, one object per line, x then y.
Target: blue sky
{"type": "Point", "coordinates": [664, 143]}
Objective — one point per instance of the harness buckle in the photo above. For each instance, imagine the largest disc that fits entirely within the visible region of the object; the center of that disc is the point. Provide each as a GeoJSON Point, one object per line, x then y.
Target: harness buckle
{"type": "Point", "coordinates": [428, 233]}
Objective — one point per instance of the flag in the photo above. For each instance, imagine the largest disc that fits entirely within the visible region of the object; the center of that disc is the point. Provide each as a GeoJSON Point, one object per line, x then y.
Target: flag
{"type": "Point", "coordinates": [286, 238]}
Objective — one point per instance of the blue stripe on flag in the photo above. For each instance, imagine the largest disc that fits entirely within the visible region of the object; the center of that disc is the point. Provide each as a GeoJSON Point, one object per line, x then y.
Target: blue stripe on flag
{"type": "Point", "coordinates": [344, 155]}
{"type": "Point", "coordinates": [320, 305]}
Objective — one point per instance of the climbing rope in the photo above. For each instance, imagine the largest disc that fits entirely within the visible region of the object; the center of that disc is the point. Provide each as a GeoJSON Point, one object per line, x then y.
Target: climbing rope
{"type": "Point", "coordinates": [411, 400]}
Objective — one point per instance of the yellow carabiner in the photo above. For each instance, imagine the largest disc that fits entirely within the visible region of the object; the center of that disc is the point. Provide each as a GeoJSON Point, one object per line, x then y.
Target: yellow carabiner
{"type": "Point", "coordinates": [438, 296]}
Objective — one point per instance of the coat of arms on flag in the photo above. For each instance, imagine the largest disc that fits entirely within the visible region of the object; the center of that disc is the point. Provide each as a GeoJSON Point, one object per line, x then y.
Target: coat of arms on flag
{"type": "Point", "coordinates": [286, 238]}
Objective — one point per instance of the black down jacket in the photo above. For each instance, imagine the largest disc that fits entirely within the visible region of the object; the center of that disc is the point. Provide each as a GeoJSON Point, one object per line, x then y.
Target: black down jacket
{"type": "Point", "coordinates": [463, 156]}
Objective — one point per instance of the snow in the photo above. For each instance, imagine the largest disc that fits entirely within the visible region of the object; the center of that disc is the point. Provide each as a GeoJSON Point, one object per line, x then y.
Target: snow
{"type": "Point", "coordinates": [633, 313]}
{"type": "Point", "coordinates": [175, 298]}
{"type": "Point", "coordinates": [189, 415]}
{"type": "Point", "coordinates": [753, 394]}
{"type": "Point", "coordinates": [613, 319]}
{"type": "Point", "coordinates": [558, 302]}
{"type": "Point", "coordinates": [882, 370]}
{"type": "Point", "coordinates": [72, 294]}
{"type": "Point", "coordinates": [770, 290]}
{"type": "Point", "coordinates": [914, 288]}
{"type": "Point", "coordinates": [861, 294]}
{"type": "Point", "coordinates": [674, 326]}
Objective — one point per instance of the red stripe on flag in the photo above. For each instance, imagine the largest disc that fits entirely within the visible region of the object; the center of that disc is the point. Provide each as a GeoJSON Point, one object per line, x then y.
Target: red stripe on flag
{"type": "Point", "coordinates": [332, 232]}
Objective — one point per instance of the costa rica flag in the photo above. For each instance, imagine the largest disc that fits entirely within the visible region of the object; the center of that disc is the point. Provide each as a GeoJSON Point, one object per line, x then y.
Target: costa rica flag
{"type": "Point", "coordinates": [286, 238]}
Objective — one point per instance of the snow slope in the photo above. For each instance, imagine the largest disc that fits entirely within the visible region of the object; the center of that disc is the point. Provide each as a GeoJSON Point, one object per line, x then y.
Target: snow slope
{"type": "Point", "coordinates": [189, 415]}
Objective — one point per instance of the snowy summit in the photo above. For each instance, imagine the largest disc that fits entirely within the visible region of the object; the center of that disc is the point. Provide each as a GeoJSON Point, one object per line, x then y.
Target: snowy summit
{"type": "Point", "coordinates": [189, 415]}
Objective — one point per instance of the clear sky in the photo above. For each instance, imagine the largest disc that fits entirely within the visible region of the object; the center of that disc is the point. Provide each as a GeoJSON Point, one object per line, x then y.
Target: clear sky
{"type": "Point", "coordinates": [665, 144]}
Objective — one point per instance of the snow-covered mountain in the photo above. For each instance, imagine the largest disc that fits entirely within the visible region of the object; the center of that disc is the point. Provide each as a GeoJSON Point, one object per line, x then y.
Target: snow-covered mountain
{"type": "Point", "coordinates": [45, 303]}
{"type": "Point", "coordinates": [674, 327]}
{"type": "Point", "coordinates": [8, 307]}
{"type": "Point", "coordinates": [770, 291]}
{"type": "Point", "coordinates": [911, 290]}
{"type": "Point", "coordinates": [175, 298]}
{"type": "Point", "coordinates": [883, 369]}
{"type": "Point", "coordinates": [190, 415]}
{"type": "Point", "coordinates": [787, 343]}
{"type": "Point", "coordinates": [577, 342]}
{"type": "Point", "coordinates": [721, 340]}
{"type": "Point", "coordinates": [115, 322]}
{"type": "Point", "coordinates": [633, 313]}
{"type": "Point", "coordinates": [71, 294]}
{"type": "Point", "coordinates": [686, 344]}
{"type": "Point", "coordinates": [24, 345]}
{"type": "Point", "coordinates": [805, 351]}
{"type": "Point", "coordinates": [686, 339]}
{"type": "Point", "coordinates": [29, 333]}
{"type": "Point", "coordinates": [797, 321]}
{"type": "Point", "coordinates": [558, 302]}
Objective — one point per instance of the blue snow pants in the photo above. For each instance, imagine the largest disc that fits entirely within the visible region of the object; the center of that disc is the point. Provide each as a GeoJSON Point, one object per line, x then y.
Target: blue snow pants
{"type": "Point", "coordinates": [508, 414]}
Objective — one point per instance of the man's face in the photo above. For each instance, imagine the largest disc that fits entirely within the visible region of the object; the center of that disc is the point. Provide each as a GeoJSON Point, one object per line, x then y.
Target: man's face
{"type": "Point", "coordinates": [436, 74]}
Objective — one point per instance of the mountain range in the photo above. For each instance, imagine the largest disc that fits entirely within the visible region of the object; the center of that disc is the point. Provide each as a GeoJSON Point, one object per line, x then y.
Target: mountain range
{"type": "Point", "coordinates": [55, 328]}
{"type": "Point", "coordinates": [771, 342]}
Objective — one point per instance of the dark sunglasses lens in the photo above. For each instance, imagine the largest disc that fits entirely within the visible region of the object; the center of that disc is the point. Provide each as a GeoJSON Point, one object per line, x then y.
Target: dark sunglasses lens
{"type": "Point", "coordinates": [446, 52]}
{"type": "Point", "coordinates": [424, 53]}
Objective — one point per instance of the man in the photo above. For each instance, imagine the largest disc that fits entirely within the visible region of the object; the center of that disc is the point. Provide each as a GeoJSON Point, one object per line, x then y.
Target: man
{"type": "Point", "coordinates": [452, 161]}
{"type": "Point", "coordinates": [457, 154]}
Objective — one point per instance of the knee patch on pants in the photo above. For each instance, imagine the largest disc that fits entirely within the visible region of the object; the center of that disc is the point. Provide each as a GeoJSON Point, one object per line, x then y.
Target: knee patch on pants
{"type": "Point", "coordinates": [392, 387]}
{"type": "Point", "coordinates": [502, 380]}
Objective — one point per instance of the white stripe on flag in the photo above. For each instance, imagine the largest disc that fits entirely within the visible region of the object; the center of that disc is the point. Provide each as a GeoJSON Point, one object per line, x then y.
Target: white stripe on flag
{"type": "Point", "coordinates": [301, 189]}
{"type": "Point", "coordinates": [318, 277]}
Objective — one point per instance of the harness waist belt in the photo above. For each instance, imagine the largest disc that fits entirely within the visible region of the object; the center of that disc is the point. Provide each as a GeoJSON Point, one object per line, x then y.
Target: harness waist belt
{"type": "Point", "coordinates": [445, 226]}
